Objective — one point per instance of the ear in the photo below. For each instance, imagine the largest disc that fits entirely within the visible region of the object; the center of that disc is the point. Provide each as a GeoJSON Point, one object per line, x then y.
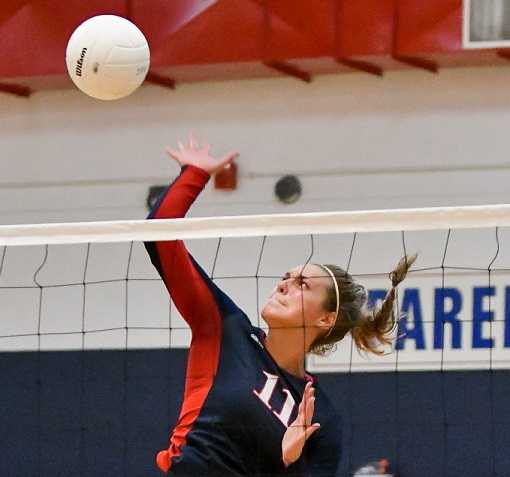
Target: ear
{"type": "Point", "coordinates": [327, 320]}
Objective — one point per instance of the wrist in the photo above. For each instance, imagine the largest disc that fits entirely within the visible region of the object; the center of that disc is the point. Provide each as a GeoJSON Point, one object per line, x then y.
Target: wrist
{"type": "Point", "coordinates": [197, 170]}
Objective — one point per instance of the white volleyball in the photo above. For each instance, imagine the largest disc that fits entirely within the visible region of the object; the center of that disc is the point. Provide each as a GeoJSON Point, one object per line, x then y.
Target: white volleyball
{"type": "Point", "coordinates": [107, 57]}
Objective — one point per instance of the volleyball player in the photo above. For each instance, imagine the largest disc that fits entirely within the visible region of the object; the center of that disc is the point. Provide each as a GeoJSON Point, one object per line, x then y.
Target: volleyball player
{"type": "Point", "coordinates": [249, 407]}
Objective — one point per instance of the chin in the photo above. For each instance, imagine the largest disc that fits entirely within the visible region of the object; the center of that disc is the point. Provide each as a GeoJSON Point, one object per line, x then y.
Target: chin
{"type": "Point", "coordinates": [274, 318]}
{"type": "Point", "coordinates": [266, 313]}
{"type": "Point", "coordinates": [270, 315]}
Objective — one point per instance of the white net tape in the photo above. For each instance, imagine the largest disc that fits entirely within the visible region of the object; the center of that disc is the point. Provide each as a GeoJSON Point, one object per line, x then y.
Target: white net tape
{"type": "Point", "coordinates": [433, 218]}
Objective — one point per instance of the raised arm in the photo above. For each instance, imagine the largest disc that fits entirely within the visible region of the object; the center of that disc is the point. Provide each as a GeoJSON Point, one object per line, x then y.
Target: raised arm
{"type": "Point", "coordinates": [190, 288]}
{"type": "Point", "coordinates": [198, 300]}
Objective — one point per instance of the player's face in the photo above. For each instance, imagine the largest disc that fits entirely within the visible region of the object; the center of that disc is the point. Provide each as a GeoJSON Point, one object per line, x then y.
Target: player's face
{"type": "Point", "coordinates": [298, 299]}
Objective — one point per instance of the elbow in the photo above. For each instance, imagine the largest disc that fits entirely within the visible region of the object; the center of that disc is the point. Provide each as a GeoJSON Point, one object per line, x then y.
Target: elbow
{"type": "Point", "coordinates": [156, 197]}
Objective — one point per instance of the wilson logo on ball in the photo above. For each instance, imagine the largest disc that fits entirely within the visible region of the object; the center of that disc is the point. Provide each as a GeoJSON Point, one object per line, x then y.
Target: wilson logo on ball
{"type": "Point", "coordinates": [79, 63]}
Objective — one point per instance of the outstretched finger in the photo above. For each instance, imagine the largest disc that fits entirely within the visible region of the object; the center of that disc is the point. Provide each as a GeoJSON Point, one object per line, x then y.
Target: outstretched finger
{"type": "Point", "coordinates": [173, 154]}
{"type": "Point", "coordinates": [192, 140]}
{"type": "Point", "coordinates": [206, 147]}
{"type": "Point", "coordinates": [309, 410]}
{"type": "Point", "coordinates": [303, 409]}
{"type": "Point", "coordinates": [311, 429]}
{"type": "Point", "coordinates": [227, 159]}
{"type": "Point", "coordinates": [305, 398]}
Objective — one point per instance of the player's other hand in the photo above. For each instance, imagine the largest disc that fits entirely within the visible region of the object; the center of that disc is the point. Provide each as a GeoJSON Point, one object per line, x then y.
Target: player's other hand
{"type": "Point", "coordinates": [301, 429]}
{"type": "Point", "coordinates": [191, 154]}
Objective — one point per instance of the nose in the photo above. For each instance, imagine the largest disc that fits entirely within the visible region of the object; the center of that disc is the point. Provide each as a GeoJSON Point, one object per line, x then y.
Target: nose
{"type": "Point", "coordinates": [282, 286]}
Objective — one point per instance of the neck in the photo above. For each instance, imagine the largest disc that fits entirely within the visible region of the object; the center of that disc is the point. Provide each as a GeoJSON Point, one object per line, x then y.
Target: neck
{"type": "Point", "coordinates": [287, 347]}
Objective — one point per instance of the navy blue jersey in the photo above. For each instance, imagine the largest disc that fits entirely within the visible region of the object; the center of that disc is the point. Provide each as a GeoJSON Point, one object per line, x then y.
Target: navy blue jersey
{"type": "Point", "coordinates": [237, 402]}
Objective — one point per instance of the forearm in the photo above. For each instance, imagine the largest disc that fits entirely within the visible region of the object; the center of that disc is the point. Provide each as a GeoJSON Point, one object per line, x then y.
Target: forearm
{"type": "Point", "coordinates": [188, 288]}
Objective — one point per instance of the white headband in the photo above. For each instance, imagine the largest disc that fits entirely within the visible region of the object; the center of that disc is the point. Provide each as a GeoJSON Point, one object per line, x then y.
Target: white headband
{"type": "Point", "coordinates": [332, 275]}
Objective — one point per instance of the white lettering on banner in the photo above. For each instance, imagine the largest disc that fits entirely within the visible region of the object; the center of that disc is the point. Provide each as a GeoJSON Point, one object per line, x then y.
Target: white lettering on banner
{"type": "Point", "coordinates": [461, 325]}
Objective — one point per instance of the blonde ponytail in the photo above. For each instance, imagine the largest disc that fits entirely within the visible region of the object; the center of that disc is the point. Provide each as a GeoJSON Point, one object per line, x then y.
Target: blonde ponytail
{"type": "Point", "coordinates": [376, 325]}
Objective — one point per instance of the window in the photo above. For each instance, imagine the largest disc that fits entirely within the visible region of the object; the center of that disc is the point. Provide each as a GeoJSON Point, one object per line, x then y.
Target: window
{"type": "Point", "coordinates": [486, 24]}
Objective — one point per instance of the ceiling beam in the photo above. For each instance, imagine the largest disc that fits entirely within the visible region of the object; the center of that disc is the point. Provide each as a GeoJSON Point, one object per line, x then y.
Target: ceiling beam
{"type": "Point", "coordinates": [289, 70]}
{"type": "Point", "coordinates": [417, 62]}
{"type": "Point", "coordinates": [160, 80]}
{"type": "Point", "coordinates": [364, 66]}
{"type": "Point", "coordinates": [15, 89]}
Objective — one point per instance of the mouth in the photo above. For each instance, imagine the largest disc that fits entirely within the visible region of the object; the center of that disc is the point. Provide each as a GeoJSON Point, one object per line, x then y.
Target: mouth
{"type": "Point", "coordinates": [277, 300]}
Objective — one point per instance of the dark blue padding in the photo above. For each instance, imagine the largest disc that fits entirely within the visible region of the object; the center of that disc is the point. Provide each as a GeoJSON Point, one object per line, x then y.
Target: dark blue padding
{"type": "Point", "coordinates": [106, 413]}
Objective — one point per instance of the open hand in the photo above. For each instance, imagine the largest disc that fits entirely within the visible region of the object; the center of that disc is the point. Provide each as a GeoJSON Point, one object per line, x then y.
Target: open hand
{"type": "Point", "coordinates": [192, 154]}
{"type": "Point", "coordinates": [301, 429]}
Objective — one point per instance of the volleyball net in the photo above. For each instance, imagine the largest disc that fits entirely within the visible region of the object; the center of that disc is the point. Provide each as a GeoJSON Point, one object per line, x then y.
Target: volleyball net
{"type": "Point", "coordinates": [87, 326]}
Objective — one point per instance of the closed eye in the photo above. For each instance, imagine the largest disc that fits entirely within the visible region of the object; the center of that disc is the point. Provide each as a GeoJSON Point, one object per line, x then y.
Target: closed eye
{"type": "Point", "coordinates": [299, 279]}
